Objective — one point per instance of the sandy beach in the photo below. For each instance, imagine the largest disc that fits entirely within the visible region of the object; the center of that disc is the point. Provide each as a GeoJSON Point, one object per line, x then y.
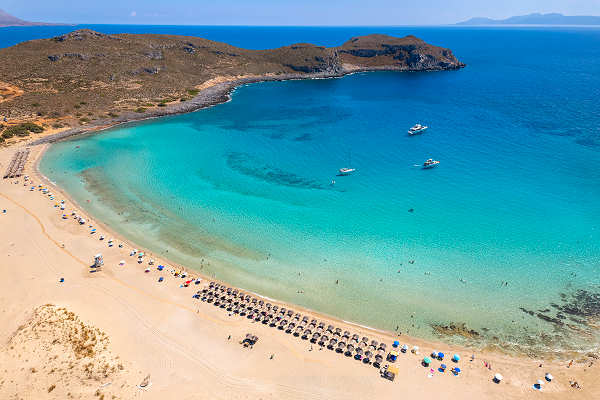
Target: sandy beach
{"type": "Point", "coordinates": [100, 334]}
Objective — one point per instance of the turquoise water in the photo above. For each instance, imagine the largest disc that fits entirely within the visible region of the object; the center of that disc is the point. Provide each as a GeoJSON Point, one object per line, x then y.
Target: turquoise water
{"type": "Point", "coordinates": [243, 190]}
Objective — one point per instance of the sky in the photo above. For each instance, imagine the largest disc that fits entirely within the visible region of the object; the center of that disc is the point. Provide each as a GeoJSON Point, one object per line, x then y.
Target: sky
{"type": "Point", "coordinates": [285, 12]}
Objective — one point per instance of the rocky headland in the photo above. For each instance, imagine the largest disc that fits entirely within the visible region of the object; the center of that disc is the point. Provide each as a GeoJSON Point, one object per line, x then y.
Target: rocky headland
{"type": "Point", "coordinates": [86, 80]}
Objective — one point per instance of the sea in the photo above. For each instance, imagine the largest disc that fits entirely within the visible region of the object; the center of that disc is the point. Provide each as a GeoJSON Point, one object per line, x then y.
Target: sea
{"type": "Point", "coordinates": [497, 247]}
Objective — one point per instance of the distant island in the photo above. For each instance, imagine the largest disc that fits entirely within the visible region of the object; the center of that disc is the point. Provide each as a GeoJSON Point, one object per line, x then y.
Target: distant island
{"type": "Point", "coordinates": [85, 79]}
{"type": "Point", "coordinates": [536, 19]}
{"type": "Point", "coordinates": [9, 20]}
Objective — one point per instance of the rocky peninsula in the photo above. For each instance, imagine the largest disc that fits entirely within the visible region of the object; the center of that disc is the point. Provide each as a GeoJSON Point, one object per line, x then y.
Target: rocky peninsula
{"type": "Point", "coordinates": [86, 80]}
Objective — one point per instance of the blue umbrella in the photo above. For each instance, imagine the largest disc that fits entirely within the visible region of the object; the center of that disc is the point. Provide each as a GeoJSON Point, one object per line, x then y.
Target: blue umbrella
{"type": "Point", "coordinates": [160, 267]}
{"type": "Point", "coordinates": [440, 356]}
{"type": "Point", "coordinates": [161, 279]}
{"type": "Point", "coordinates": [456, 358]}
{"type": "Point", "coordinates": [396, 343]}
{"type": "Point", "coordinates": [443, 367]}
{"type": "Point", "coordinates": [456, 371]}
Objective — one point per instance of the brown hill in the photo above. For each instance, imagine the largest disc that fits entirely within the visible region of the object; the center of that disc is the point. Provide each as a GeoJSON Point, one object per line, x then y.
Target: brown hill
{"type": "Point", "coordinates": [9, 20]}
{"type": "Point", "coordinates": [87, 76]}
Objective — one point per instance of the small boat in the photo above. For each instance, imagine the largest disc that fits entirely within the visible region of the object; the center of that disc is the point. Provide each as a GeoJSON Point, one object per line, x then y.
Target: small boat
{"type": "Point", "coordinates": [346, 171]}
{"type": "Point", "coordinates": [430, 163]}
{"type": "Point", "coordinates": [417, 129]}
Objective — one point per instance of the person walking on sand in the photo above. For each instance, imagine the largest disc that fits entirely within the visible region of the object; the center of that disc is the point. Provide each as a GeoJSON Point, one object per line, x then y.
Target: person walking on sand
{"type": "Point", "coordinates": [272, 355]}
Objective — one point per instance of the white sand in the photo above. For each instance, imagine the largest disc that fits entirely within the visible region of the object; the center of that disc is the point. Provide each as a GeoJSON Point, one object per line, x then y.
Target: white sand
{"type": "Point", "coordinates": [158, 329]}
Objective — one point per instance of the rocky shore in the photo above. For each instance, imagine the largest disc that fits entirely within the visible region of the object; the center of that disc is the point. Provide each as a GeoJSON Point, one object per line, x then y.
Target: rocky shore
{"type": "Point", "coordinates": [87, 80]}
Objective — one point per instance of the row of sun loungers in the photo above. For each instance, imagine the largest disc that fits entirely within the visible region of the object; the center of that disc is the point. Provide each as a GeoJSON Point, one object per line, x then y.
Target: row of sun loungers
{"type": "Point", "coordinates": [17, 164]}
{"type": "Point", "coordinates": [294, 323]}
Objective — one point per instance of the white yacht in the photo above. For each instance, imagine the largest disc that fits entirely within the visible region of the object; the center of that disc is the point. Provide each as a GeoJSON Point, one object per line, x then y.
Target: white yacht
{"type": "Point", "coordinates": [430, 163]}
{"type": "Point", "coordinates": [346, 171]}
{"type": "Point", "coordinates": [417, 129]}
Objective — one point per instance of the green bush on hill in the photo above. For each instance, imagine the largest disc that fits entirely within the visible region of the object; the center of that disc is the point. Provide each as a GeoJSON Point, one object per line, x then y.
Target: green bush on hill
{"type": "Point", "coordinates": [21, 130]}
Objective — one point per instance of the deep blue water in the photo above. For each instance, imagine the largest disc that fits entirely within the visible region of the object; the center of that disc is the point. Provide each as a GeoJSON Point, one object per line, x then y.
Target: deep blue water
{"type": "Point", "coordinates": [246, 185]}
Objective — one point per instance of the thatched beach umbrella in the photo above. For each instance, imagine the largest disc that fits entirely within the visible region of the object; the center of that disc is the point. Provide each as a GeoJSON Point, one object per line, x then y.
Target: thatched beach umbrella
{"type": "Point", "coordinates": [338, 332]}
{"type": "Point", "coordinates": [315, 337]}
{"type": "Point", "coordinates": [321, 325]}
{"type": "Point", "coordinates": [382, 346]}
{"type": "Point", "coordinates": [364, 341]}
{"type": "Point", "coordinates": [305, 319]}
{"type": "Point", "coordinates": [346, 335]}
{"type": "Point", "coordinates": [275, 308]}
{"type": "Point", "coordinates": [359, 353]}
{"type": "Point", "coordinates": [340, 347]}
{"type": "Point", "coordinates": [330, 329]}
{"type": "Point", "coordinates": [323, 339]}
{"type": "Point", "coordinates": [367, 357]}
{"type": "Point", "coordinates": [313, 322]}
{"type": "Point", "coordinates": [349, 349]}
{"type": "Point", "coordinates": [355, 337]}
{"type": "Point", "coordinates": [332, 343]}
{"type": "Point", "coordinates": [290, 313]}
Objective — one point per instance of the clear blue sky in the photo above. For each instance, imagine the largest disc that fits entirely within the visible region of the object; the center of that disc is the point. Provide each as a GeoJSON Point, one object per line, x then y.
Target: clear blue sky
{"type": "Point", "coordinates": [285, 12]}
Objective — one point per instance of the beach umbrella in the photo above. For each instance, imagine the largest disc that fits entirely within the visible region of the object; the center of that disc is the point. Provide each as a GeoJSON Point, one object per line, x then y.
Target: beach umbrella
{"type": "Point", "coordinates": [404, 348]}
{"type": "Point", "coordinates": [427, 361]}
{"type": "Point", "coordinates": [456, 371]}
{"type": "Point", "coordinates": [498, 378]}
{"type": "Point", "coordinates": [415, 350]}
{"type": "Point", "coordinates": [456, 358]}
{"type": "Point", "coordinates": [161, 279]}
{"type": "Point", "coordinates": [539, 382]}
{"type": "Point", "coordinates": [443, 367]}
{"type": "Point", "coordinates": [396, 343]}
{"type": "Point", "coordinates": [549, 377]}
{"type": "Point", "coordinates": [440, 356]}
{"type": "Point", "coordinates": [122, 262]}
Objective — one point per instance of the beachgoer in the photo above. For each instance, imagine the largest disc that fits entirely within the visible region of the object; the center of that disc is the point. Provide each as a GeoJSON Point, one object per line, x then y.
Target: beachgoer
{"type": "Point", "coordinates": [272, 355]}
{"type": "Point", "coordinates": [229, 337]}
{"type": "Point", "coordinates": [570, 364]}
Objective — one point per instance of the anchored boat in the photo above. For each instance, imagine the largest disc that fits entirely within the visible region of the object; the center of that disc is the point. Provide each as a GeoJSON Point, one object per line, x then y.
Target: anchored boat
{"type": "Point", "coordinates": [430, 163]}
{"type": "Point", "coordinates": [346, 171]}
{"type": "Point", "coordinates": [417, 129]}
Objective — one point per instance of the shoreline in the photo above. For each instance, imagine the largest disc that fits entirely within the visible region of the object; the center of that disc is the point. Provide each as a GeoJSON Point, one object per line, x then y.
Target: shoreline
{"type": "Point", "coordinates": [131, 281]}
{"type": "Point", "coordinates": [213, 95]}
{"type": "Point", "coordinates": [220, 93]}
{"type": "Point", "coordinates": [109, 232]}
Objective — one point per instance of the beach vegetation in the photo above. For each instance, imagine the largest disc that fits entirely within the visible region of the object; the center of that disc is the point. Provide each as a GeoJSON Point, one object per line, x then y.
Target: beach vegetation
{"type": "Point", "coordinates": [83, 103]}
{"type": "Point", "coordinates": [161, 104]}
{"type": "Point", "coordinates": [193, 92]}
{"type": "Point", "coordinates": [21, 130]}
{"type": "Point", "coordinates": [84, 120]}
{"type": "Point", "coordinates": [35, 105]}
{"type": "Point", "coordinates": [76, 106]}
{"type": "Point", "coordinates": [140, 110]}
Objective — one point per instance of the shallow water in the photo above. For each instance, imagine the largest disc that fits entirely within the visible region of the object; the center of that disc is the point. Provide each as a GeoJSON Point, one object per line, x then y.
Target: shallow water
{"type": "Point", "coordinates": [243, 190]}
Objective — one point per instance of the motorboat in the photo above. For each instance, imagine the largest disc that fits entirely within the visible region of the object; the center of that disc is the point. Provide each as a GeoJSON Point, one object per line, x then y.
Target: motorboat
{"type": "Point", "coordinates": [430, 163]}
{"type": "Point", "coordinates": [417, 129]}
{"type": "Point", "coordinates": [346, 171]}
